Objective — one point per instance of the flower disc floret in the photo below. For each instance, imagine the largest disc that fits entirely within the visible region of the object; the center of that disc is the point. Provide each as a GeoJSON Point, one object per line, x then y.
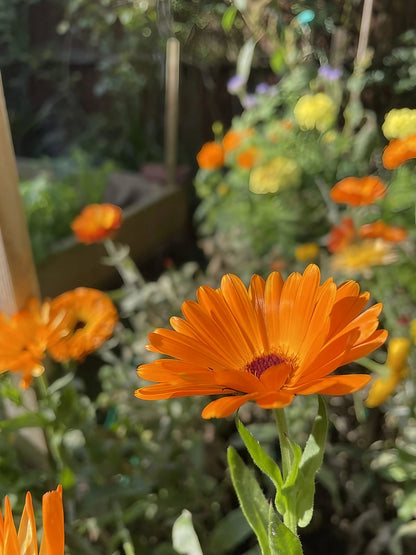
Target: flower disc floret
{"type": "Point", "coordinates": [266, 344]}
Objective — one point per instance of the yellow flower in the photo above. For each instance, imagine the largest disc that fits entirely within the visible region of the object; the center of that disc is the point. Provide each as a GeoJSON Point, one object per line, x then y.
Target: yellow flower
{"type": "Point", "coordinates": [315, 111]}
{"type": "Point", "coordinates": [396, 363]}
{"type": "Point", "coordinates": [275, 175]}
{"type": "Point", "coordinates": [307, 251]}
{"type": "Point", "coordinates": [361, 257]}
{"type": "Point", "coordinates": [223, 189]}
{"type": "Point", "coordinates": [399, 123]}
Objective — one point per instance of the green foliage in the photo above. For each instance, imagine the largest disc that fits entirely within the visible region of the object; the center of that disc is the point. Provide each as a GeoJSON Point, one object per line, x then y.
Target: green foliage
{"type": "Point", "coordinates": [55, 197]}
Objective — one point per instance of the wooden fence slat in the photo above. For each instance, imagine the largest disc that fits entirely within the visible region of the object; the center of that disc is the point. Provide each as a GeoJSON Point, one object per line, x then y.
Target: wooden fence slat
{"type": "Point", "coordinates": [16, 265]}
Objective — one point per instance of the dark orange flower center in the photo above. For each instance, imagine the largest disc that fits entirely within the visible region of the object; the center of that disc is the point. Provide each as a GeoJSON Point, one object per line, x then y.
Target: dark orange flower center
{"type": "Point", "coordinates": [260, 364]}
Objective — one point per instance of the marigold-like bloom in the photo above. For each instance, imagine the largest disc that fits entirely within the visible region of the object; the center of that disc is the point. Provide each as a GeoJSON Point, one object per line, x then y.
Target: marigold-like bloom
{"type": "Point", "coordinates": [341, 235]}
{"type": "Point", "coordinates": [23, 340]}
{"type": "Point", "coordinates": [248, 157]}
{"type": "Point", "coordinates": [399, 123]}
{"type": "Point", "coordinates": [211, 156]}
{"type": "Point", "coordinates": [380, 230]}
{"type": "Point", "coordinates": [399, 151]}
{"type": "Point", "coordinates": [315, 111]}
{"type": "Point", "coordinates": [358, 191]}
{"type": "Point", "coordinates": [233, 139]}
{"type": "Point", "coordinates": [265, 344]}
{"type": "Point", "coordinates": [24, 542]}
{"type": "Point", "coordinates": [396, 363]}
{"type": "Point", "coordinates": [361, 257]}
{"type": "Point", "coordinates": [97, 222]}
{"type": "Point", "coordinates": [277, 174]}
{"type": "Point", "coordinates": [307, 251]}
{"type": "Point", "coordinates": [87, 319]}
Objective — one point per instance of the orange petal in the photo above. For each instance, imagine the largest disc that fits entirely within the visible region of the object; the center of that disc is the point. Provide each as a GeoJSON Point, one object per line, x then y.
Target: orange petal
{"type": "Point", "coordinates": [336, 385]}
{"type": "Point", "coordinates": [10, 542]}
{"type": "Point", "coordinates": [220, 408]}
{"type": "Point", "coordinates": [27, 529]}
{"type": "Point", "coordinates": [53, 540]}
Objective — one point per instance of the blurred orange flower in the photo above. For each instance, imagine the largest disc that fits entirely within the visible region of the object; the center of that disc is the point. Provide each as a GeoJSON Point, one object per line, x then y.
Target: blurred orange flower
{"type": "Point", "coordinates": [265, 344]}
{"type": "Point", "coordinates": [97, 222]}
{"type": "Point", "coordinates": [380, 230]}
{"type": "Point", "coordinates": [341, 235]}
{"type": "Point", "coordinates": [358, 191]}
{"type": "Point", "coordinates": [248, 157]}
{"type": "Point", "coordinates": [211, 156]}
{"type": "Point", "coordinates": [25, 541]}
{"type": "Point", "coordinates": [87, 319]}
{"type": "Point", "coordinates": [399, 151]}
{"type": "Point", "coordinates": [233, 139]}
{"type": "Point", "coordinates": [23, 340]}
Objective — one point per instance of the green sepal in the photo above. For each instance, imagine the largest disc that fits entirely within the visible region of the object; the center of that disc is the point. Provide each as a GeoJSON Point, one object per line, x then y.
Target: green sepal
{"type": "Point", "coordinates": [252, 500]}
{"type": "Point", "coordinates": [282, 541]}
{"type": "Point", "coordinates": [310, 463]}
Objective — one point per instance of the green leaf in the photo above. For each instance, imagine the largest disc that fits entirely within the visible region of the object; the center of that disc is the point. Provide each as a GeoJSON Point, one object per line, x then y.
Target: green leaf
{"type": "Point", "coordinates": [228, 18]}
{"type": "Point", "coordinates": [310, 463]}
{"type": "Point", "coordinates": [245, 58]}
{"type": "Point", "coordinates": [28, 420]}
{"type": "Point", "coordinates": [277, 60]}
{"type": "Point", "coordinates": [184, 537]}
{"type": "Point", "coordinates": [252, 501]}
{"type": "Point", "coordinates": [231, 530]}
{"type": "Point", "coordinates": [282, 541]}
{"type": "Point", "coordinates": [259, 456]}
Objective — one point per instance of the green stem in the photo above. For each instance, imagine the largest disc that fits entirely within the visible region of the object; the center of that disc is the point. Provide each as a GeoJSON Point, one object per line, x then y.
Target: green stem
{"type": "Point", "coordinates": [125, 266]}
{"type": "Point", "coordinates": [285, 448]}
{"type": "Point", "coordinates": [124, 532]}
{"type": "Point", "coordinates": [289, 518]}
{"type": "Point", "coordinates": [48, 430]}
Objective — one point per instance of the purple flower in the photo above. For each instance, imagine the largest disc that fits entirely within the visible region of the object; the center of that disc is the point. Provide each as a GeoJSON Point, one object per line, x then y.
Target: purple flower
{"type": "Point", "coordinates": [329, 73]}
{"type": "Point", "coordinates": [262, 88]}
{"type": "Point", "coordinates": [235, 84]}
{"type": "Point", "coordinates": [249, 101]}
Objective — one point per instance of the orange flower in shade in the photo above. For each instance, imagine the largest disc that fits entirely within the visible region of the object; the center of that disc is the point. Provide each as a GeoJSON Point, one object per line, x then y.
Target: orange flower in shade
{"type": "Point", "coordinates": [248, 157]}
{"type": "Point", "coordinates": [23, 340]}
{"type": "Point", "coordinates": [87, 319]}
{"type": "Point", "coordinates": [232, 139]}
{"type": "Point", "coordinates": [399, 151]}
{"type": "Point", "coordinates": [341, 235]}
{"type": "Point", "coordinates": [380, 230]}
{"type": "Point", "coordinates": [24, 542]}
{"type": "Point", "coordinates": [97, 222]}
{"type": "Point", "coordinates": [265, 344]}
{"type": "Point", "coordinates": [357, 191]}
{"type": "Point", "coordinates": [211, 156]}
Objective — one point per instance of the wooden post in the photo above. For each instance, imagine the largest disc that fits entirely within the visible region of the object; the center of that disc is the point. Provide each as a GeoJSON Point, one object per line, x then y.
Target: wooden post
{"type": "Point", "coordinates": [171, 108]}
{"type": "Point", "coordinates": [18, 280]}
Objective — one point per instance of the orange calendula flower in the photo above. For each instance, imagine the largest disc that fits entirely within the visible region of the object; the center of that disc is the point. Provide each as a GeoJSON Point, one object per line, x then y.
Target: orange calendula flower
{"type": "Point", "coordinates": [399, 151]}
{"type": "Point", "coordinates": [396, 364]}
{"type": "Point", "coordinates": [233, 139]}
{"type": "Point", "coordinates": [97, 222]}
{"type": "Point", "coordinates": [358, 191]}
{"type": "Point", "coordinates": [265, 344]}
{"type": "Point", "coordinates": [23, 340]}
{"type": "Point", "coordinates": [248, 157]}
{"type": "Point", "coordinates": [341, 235]}
{"type": "Point", "coordinates": [24, 541]}
{"type": "Point", "coordinates": [380, 230]}
{"type": "Point", "coordinates": [87, 319]}
{"type": "Point", "coordinates": [211, 156]}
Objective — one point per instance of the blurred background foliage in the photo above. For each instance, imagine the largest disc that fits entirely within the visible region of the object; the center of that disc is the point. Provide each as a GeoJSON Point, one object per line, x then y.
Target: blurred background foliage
{"type": "Point", "coordinates": [84, 83]}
